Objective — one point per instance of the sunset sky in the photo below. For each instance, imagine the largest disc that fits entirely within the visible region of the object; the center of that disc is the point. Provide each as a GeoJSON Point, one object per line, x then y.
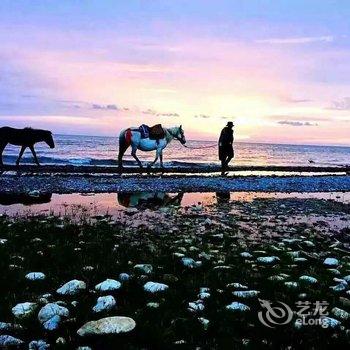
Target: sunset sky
{"type": "Point", "coordinates": [279, 69]}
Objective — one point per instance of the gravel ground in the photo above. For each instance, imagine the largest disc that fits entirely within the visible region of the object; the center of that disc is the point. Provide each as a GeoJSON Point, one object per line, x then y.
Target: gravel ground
{"type": "Point", "coordinates": [59, 183]}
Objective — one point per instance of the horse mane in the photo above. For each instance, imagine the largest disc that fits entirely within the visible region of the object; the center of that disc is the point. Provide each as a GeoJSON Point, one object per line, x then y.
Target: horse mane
{"type": "Point", "coordinates": [39, 131]}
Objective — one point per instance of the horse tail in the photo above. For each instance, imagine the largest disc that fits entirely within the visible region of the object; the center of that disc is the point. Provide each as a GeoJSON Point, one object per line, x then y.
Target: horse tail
{"type": "Point", "coordinates": [124, 143]}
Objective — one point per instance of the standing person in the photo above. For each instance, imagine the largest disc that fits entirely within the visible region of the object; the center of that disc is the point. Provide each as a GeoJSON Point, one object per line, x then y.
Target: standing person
{"type": "Point", "coordinates": [226, 145]}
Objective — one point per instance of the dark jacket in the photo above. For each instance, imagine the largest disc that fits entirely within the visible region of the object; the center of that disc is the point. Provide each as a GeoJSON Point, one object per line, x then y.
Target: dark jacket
{"type": "Point", "coordinates": [226, 137]}
{"type": "Point", "coordinates": [225, 143]}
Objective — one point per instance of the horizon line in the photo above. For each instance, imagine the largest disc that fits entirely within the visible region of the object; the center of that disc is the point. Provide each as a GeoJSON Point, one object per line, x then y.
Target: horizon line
{"type": "Point", "coordinates": [240, 141]}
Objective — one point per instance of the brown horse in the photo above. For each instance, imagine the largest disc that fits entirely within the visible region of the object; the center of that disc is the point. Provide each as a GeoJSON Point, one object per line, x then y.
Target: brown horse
{"type": "Point", "coordinates": [27, 137]}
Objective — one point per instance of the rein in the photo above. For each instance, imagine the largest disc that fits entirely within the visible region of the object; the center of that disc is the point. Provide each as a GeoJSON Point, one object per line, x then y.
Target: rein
{"type": "Point", "coordinates": [210, 146]}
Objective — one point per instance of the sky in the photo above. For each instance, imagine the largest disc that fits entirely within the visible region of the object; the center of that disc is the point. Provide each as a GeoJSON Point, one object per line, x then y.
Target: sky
{"type": "Point", "coordinates": [279, 69]}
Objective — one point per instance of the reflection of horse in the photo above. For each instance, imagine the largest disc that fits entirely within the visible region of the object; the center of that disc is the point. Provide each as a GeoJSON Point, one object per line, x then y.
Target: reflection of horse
{"type": "Point", "coordinates": [27, 137]}
{"type": "Point", "coordinates": [132, 137]}
{"type": "Point", "coordinates": [25, 199]}
{"type": "Point", "coordinates": [148, 199]}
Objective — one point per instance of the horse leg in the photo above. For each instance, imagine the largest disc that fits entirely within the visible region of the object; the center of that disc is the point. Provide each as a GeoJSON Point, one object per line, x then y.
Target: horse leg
{"type": "Point", "coordinates": [34, 154]}
{"type": "Point", "coordinates": [2, 147]}
{"type": "Point", "coordinates": [161, 159]}
{"type": "Point", "coordinates": [20, 154]}
{"type": "Point", "coordinates": [155, 159]}
{"type": "Point", "coordinates": [133, 153]}
{"type": "Point", "coordinates": [123, 146]}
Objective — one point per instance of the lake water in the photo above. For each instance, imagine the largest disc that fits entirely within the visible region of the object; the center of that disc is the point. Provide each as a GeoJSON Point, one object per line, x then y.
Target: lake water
{"type": "Point", "coordinates": [92, 150]}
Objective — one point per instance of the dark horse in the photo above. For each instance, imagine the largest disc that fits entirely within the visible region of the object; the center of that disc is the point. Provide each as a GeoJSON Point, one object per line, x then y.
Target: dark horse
{"type": "Point", "coordinates": [26, 138]}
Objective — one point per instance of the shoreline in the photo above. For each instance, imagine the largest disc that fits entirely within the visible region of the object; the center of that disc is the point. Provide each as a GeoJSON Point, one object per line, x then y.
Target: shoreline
{"type": "Point", "coordinates": [104, 183]}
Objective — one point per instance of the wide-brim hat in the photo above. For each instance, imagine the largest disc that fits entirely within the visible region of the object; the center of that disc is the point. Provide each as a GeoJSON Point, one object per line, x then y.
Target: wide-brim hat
{"type": "Point", "coordinates": [230, 124]}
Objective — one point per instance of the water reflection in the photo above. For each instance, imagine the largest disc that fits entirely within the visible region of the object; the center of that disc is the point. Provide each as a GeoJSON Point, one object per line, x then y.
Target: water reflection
{"type": "Point", "coordinates": [223, 198]}
{"type": "Point", "coordinates": [149, 199]}
{"type": "Point", "coordinates": [24, 199]}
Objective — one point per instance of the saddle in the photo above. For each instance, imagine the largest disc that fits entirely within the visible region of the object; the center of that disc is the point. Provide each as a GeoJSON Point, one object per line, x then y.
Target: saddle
{"type": "Point", "coordinates": [155, 132]}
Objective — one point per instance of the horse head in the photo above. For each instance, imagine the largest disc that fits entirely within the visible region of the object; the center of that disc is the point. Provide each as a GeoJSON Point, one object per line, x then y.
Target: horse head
{"type": "Point", "coordinates": [49, 139]}
{"type": "Point", "coordinates": [180, 135]}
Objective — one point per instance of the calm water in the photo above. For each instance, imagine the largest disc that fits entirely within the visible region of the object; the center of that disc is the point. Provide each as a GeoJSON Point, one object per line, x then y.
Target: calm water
{"type": "Point", "coordinates": [91, 150]}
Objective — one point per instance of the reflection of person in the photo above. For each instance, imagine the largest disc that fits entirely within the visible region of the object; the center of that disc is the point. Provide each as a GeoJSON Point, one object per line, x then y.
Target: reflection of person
{"type": "Point", "coordinates": [223, 198]}
{"type": "Point", "coordinates": [226, 145]}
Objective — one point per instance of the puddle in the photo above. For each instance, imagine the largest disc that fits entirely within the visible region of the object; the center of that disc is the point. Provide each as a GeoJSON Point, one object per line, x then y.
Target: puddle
{"type": "Point", "coordinates": [113, 203]}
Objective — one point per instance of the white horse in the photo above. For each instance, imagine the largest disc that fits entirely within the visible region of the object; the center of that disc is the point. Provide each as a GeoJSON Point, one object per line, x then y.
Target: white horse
{"type": "Point", "coordinates": [132, 137]}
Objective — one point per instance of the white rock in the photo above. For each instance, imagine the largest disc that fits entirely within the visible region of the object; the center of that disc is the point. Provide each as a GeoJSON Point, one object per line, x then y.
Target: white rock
{"type": "Point", "coordinates": [331, 262]}
{"type": "Point", "coordinates": [8, 340]}
{"type": "Point", "coordinates": [124, 277]}
{"type": "Point", "coordinates": [145, 268]}
{"type": "Point", "coordinates": [347, 278]}
{"type": "Point", "coordinates": [236, 306]}
{"type": "Point", "coordinates": [330, 322]}
{"type": "Point", "coordinates": [189, 262]}
{"type": "Point", "coordinates": [35, 276]}
{"type": "Point", "coordinates": [153, 305]}
{"type": "Point", "coordinates": [339, 287]}
{"type": "Point", "coordinates": [104, 303]}
{"type": "Point", "coordinates": [108, 325]}
{"type": "Point", "coordinates": [245, 294]}
{"type": "Point", "coordinates": [108, 285]}
{"type": "Point", "coordinates": [267, 259]}
{"type": "Point", "coordinates": [291, 284]}
{"type": "Point", "coordinates": [204, 321]}
{"type": "Point", "coordinates": [4, 326]}
{"type": "Point", "coordinates": [308, 279]}
{"type": "Point", "coordinates": [38, 345]}
{"type": "Point", "coordinates": [340, 313]}
{"type": "Point", "coordinates": [154, 287]}
{"type": "Point", "coordinates": [51, 315]}
{"type": "Point", "coordinates": [72, 287]}
{"type": "Point", "coordinates": [195, 306]}
{"type": "Point", "coordinates": [246, 255]}
{"type": "Point", "coordinates": [24, 310]}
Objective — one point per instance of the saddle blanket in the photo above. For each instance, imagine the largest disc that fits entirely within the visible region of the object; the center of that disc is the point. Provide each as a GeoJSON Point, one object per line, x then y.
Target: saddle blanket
{"type": "Point", "coordinates": [155, 132]}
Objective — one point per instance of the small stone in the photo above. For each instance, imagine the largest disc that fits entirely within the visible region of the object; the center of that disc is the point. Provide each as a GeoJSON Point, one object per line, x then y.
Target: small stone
{"type": "Point", "coordinates": [267, 259]}
{"type": "Point", "coordinates": [145, 268]}
{"type": "Point", "coordinates": [154, 287]}
{"type": "Point", "coordinates": [105, 303]}
{"type": "Point", "coordinates": [72, 287]}
{"type": "Point", "coordinates": [108, 285]}
{"type": "Point", "coordinates": [329, 322]}
{"type": "Point", "coordinates": [108, 325]}
{"type": "Point", "coordinates": [38, 345]}
{"type": "Point", "coordinates": [245, 294]}
{"type": "Point", "coordinates": [236, 306]}
{"type": "Point", "coordinates": [60, 341]}
{"type": "Point", "coordinates": [124, 277]}
{"type": "Point", "coordinates": [340, 313]}
{"type": "Point", "coordinates": [195, 306]}
{"type": "Point", "coordinates": [35, 276]}
{"type": "Point", "coordinates": [8, 340]}
{"type": "Point", "coordinates": [338, 288]}
{"type": "Point", "coordinates": [189, 262]}
{"type": "Point", "coordinates": [24, 310]}
{"type": "Point", "coordinates": [5, 327]}
{"type": "Point", "coordinates": [246, 255]}
{"type": "Point", "coordinates": [153, 305]}
{"type": "Point", "coordinates": [291, 284]}
{"type": "Point", "coordinates": [51, 314]}
{"type": "Point", "coordinates": [331, 262]}
{"type": "Point", "coordinates": [308, 279]}
{"type": "Point", "coordinates": [205, 322]}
